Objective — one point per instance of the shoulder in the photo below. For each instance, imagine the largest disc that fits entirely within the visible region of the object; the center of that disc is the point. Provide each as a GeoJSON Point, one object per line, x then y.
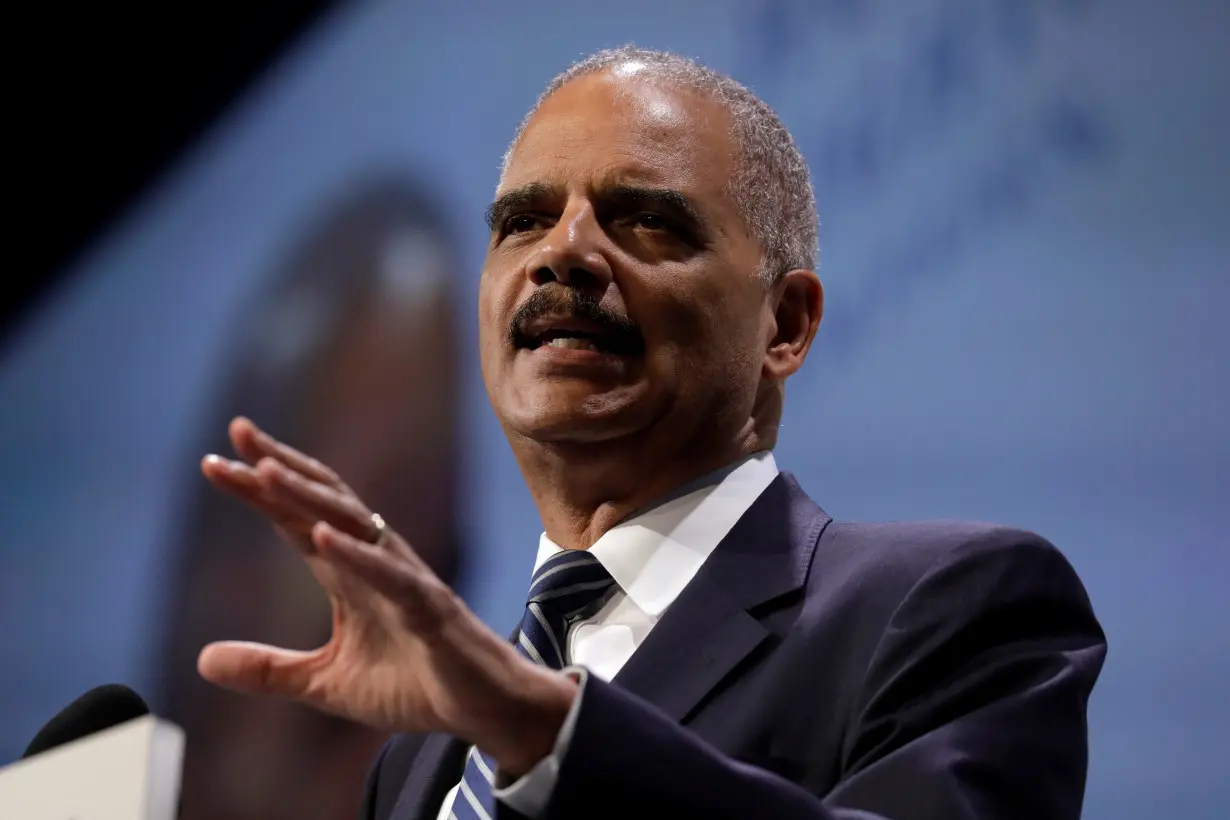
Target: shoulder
{"type": "Point", "coordinates": [960, 561]}
{"type": "Point", "coordinates": [916, 546]}
{"type": "Point", "coordinates": [896, 591]}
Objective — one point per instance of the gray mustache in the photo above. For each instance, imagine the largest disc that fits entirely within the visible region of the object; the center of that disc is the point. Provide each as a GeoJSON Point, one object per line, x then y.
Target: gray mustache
{"type": "Point", "coordinates": [573, 304]}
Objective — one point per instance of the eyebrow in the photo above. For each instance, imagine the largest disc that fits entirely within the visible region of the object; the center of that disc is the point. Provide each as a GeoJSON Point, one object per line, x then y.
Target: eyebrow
{"type": "Point", "coordinates": [621, 196]}
{"type": "Point", "coordinates": [635, 197]}
{"type": "Point", "coordinates": [517, 199]}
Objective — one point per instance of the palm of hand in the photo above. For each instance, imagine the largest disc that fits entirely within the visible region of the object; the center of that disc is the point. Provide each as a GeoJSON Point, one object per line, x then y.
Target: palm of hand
{"type": "Point", "coordinates": [405, 653]}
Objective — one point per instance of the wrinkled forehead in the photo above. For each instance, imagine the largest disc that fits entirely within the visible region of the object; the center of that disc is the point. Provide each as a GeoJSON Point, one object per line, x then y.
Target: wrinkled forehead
{"type": "Point", "coordinates": [625, 128]}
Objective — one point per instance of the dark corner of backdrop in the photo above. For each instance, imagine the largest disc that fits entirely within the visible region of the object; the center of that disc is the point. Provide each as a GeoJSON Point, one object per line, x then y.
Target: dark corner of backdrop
{"type": "Point", "coordinates": [106, 97]}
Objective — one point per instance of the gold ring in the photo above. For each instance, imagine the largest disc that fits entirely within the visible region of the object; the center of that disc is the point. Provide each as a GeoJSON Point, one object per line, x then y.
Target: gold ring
{"type": "Point", "coordinates": [382, 530]}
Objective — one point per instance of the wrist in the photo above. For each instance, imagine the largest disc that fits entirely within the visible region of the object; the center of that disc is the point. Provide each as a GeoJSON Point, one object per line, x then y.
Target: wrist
{"type": "Point", "coordinates": [531, 721]}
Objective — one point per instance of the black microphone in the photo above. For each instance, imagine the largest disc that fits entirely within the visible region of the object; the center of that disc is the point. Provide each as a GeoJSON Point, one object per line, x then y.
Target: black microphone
{"type": "Point", "coordinates": [100, 708]}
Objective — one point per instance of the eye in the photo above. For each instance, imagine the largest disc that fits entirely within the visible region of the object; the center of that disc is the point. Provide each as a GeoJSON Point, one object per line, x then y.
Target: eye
{"type": "Point", "coordinates": [650, 221]}
{"type": "Point", "coordinates": [520, 223]}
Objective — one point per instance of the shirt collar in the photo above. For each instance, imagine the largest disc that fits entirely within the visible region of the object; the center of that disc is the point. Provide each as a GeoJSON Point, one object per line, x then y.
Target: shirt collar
{"type": "Point", "coordinates": [654, 553]}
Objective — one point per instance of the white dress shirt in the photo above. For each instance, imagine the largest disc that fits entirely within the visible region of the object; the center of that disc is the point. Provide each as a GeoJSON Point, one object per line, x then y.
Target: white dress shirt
{"type": "Point", "coordinates": [652, 556]}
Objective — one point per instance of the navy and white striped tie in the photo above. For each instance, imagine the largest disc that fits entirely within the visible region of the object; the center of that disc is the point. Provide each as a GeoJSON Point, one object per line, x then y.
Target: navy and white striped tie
{"type": "Point", "coordinates": [568, 586]}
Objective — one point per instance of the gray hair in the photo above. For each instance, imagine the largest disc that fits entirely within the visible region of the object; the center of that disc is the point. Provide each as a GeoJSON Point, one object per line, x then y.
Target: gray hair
{"type": "Point", "coordinates": [771, 186]}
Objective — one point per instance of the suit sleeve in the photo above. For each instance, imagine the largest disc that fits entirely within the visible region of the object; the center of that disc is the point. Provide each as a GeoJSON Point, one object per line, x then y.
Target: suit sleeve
{"type": "Point", "coordinates": [972, 708]}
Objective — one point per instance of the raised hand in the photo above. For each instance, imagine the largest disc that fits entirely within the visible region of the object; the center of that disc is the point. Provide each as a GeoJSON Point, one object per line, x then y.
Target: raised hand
{"type": "Point", "coordinates": [406, 654]}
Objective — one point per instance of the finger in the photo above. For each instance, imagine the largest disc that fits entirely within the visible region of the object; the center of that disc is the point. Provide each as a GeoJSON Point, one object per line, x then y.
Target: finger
{"type": "Point", "coordinates": [258, 669]}
{"type": "Point", "coordinates": [241, 481]}
{"type": "Point", "coordinates": [315, 501]}
{"type": "Point", "coordinates": [253, 444]}
{"type": "Point", "coordinates": [233, 476]}
{"type": "Point", "coordinates": [423, 599]}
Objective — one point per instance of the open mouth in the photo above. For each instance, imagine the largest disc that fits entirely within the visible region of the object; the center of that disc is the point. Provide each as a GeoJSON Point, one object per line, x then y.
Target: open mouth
{"type": "Point", "coordinates": [575, 334]}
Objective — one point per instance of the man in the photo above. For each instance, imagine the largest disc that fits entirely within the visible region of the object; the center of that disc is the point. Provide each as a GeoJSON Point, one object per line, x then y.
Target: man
{"type": "Point", "coordinates": [700, 639]}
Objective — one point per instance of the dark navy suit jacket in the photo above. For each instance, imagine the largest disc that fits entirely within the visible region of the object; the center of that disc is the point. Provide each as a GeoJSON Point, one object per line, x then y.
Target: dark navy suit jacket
{"type": "Point", "coordinates": [817, 669]}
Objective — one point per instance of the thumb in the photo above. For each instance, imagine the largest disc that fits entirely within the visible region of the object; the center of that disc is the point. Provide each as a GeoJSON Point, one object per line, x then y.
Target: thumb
{"type": "Point", "coordinates": [257, 669]}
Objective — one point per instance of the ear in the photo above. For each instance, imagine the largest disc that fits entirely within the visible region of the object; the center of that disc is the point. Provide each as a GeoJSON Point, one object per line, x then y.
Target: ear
{"type": "Point", "coordinates": [798, 304]}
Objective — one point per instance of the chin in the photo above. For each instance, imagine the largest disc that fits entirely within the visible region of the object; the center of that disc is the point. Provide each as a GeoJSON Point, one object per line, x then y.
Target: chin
{"type": "Point", "coordinates": [557, 415]}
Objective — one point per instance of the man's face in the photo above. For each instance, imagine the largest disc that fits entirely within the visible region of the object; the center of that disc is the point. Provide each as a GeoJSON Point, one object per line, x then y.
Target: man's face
{"type": "Point", "coordinates": [620, 293]}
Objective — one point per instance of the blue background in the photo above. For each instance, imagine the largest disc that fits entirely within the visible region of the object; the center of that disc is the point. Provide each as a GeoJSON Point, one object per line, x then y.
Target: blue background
{"type": "Point", "coordinates": [1025, 230]}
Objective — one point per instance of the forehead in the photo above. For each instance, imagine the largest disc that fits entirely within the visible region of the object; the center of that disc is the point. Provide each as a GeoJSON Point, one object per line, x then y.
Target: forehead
{"type": "Point", "coordinates": [602, 127]}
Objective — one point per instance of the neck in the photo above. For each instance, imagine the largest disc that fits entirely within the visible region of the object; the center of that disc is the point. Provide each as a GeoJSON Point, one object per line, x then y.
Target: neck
{"type": "Point", "coordinates": [583, 490]}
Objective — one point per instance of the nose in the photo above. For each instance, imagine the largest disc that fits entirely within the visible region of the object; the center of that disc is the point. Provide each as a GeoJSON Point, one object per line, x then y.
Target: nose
{"type": "Point", "coordinates": [572, 253]}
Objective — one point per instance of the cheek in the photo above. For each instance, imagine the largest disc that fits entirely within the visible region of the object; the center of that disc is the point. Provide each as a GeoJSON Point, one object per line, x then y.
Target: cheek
{"type": "Point", "coordinates": [499, 292]}
{"type": "Point", "coordinates": [683, 320]}
{"type": "Point", "coordinates": [489, 335]}
{"type": "Point", "coordinates": [707, 327]}
{"type": "Point", "coordinates": [689, 356]}
{"type": "Point", "coordinates": [492, 314]}
{"type": "Point", "coordinates": [713, 344]}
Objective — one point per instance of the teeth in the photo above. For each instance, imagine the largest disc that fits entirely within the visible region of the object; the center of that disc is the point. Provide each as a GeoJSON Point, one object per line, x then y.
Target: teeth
{"type": "Point", "coordinates": [570, 343]}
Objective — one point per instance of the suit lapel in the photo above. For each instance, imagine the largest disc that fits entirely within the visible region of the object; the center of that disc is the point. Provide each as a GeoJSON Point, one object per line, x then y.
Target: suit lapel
{"type": "Point", "coordinates": [436, 769]}
{"type": "Point", "coordinates": [709, 630]}
{"type": "Point", "coordinates": [701, 637]}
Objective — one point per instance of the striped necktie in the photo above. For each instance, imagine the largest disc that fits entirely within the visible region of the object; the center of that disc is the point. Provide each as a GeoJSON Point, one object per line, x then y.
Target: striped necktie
{"type": "Point", "coordinates": [568, 586]}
